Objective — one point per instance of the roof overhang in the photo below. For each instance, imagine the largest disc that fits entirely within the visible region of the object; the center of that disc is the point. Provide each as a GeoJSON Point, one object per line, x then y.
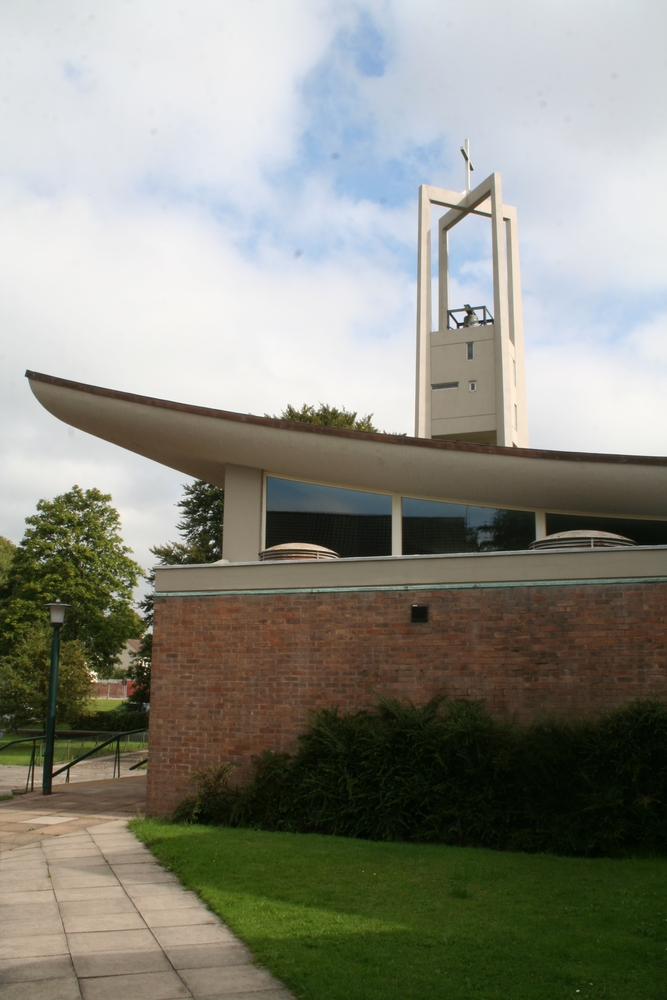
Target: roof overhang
{"type": "Point", "coordinates": [201, 442]}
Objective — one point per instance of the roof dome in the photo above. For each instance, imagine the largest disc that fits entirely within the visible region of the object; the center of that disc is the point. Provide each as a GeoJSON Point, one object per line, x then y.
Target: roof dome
{"type": "Point", "coordinates": [586, 539]}
{"type": "Point", "coordinates": [297, 550]}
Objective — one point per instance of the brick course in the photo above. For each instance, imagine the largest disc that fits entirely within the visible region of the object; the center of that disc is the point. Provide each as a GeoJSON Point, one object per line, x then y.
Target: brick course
{"type": "Point", "coordinates": [233, 675]}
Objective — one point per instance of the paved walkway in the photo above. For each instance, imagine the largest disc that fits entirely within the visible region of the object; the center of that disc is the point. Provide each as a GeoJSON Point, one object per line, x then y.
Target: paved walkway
{"type": "Point", "coordinates": [90, 914]}
{"type": "Point", "coordinates": [96, 769]}
{"type": "Point", "coordinates": [31, 818]}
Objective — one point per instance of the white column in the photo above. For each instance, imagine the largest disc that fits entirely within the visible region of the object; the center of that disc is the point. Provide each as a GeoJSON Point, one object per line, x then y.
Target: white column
{"type": "Point", "coordinates": [242, 535]}
{"type": "Point", "coordinates": [396, 525]}
{"type": "Point", "coordinates": [443, 275]}
{"type": "Point", "coordinates": [423, 387]}
{"type": "Point", "coordinates": [516, 324]}
{"type": "Point", "coordinates": [540, 524]}
{"type": "Point", "coordinates": [504, 404]}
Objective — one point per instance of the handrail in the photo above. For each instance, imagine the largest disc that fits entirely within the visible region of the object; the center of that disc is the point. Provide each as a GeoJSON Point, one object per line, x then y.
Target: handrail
{"type": "Point", "coordinates": [113, 739]}
{"type": "Point", "coordinates": [30, 780]}
{"type": "Point", "coordinates": [24, 739]}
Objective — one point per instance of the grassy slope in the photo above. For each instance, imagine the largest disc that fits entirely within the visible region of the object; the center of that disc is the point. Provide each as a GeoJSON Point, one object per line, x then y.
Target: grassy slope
{"type": "Point", "coordinates": [104, 704]}
{"type": "Point", "coordinates": [340, 919]}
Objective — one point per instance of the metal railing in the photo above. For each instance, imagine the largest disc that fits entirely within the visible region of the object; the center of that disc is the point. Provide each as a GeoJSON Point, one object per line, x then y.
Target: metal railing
{"type": "Point", "coordinates": [30, 780]}
{"type": "Point", "coordinates": [117, 739]}
{"type": "Point", "coordinates": [486, 319]}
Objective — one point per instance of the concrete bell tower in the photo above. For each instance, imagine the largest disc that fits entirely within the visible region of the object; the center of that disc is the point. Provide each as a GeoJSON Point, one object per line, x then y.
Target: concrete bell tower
{"type": "Point", "coordinates": [470, 371]}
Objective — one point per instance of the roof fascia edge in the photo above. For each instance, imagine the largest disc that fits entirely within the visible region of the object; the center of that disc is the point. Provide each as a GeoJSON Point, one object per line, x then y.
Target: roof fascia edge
{"type": "Point", "coordinates": [340, 432]}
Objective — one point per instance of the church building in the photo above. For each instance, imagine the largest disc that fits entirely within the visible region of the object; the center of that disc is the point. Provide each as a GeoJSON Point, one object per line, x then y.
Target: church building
{"type": "Point", "coordinates": [458, 561]}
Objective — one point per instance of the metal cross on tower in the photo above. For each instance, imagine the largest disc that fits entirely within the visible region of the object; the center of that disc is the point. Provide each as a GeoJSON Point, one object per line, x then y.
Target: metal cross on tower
{"type": "Point", "coordinates": [465, 150]}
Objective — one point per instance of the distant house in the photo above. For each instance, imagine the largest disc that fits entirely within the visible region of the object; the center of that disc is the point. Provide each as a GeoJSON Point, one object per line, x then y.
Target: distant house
{"type": "Point", "coordinates": [115, 687]}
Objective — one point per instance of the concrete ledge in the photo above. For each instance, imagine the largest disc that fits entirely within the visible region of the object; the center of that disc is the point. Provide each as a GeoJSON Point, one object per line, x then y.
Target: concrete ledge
{"type": "Point", "coordinates": [480, 569]}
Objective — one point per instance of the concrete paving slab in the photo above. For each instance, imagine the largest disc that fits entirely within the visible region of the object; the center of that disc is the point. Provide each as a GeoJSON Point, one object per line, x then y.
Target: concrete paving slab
{"type": "Point", "coordinates": [103, 921]}
{"type": "Point", "coordinates": [128, 857]}
{"type": "Point", "coordinates": [15, 928]}
{"type": "Point", "coordinates": [83, 880]}
{"type": "Point", "coordinates": [141, 878]}
{"type": "Point", "coordinates": [7, 898]}
{"type": "Point", "coordinates": [26, 882]}
{"type": "Point", "coordinates": [33, 860]}
{"type": "Point", "coordinates": [49, 820]}
{"type": "Point", "coordinates": [81, 862]}
{"type": "Point", "coordinates": [193, 915]}
{"type": "Point", "coordinates": [95, 895]}
{"type": "Point", "coordinates": [34, 946]}
{"type": "Point", "coordinates": [98, 942]}
{"type": "Point", "coordinates": [29, 911]}
{"type": "Point", "coordinates": [118, 963]}
{"type": "Point", "coordinates": [172, 937]}
{"type": "Point", "coordinates": [145, 867]}
{"type": "Point", "coordinates": [208, 956]}
{"type": "Point", "coordinates": [19, 970]}
{"type": "Point", "coordinates": [172, 898]}
{"type": "Point", "coordinates": [139, 986]}
{"type": "Point", "coordinates": [81, 907]}
{"type": "Point", "coordinates": [235, 979]}
{"type": "Point", "coordinates": [45, 989]}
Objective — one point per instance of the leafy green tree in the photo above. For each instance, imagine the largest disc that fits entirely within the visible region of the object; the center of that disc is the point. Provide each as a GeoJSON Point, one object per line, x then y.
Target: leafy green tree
{"type": "Point", "coordinates": [24, 679]}
{"type": "Point", "coordinates": [200, 527]}
{"type": "Point", "coordinates": [329, 416]}
{"type": "Point", "coordinates": [7, 550]}
{"type": "Point", "coordinates": [72, 550]}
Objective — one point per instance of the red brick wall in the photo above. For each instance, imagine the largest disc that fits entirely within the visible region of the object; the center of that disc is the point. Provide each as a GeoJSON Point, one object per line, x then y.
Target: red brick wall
{"type": "Point", "coordinates": [233, 675]}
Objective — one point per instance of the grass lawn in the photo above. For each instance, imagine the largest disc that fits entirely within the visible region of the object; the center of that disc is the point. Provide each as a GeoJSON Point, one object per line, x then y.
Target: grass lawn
{"type": "Point", "coordinates": [339, 919]}
{"type": "Point", "coordinates": [105, 704]}
{"type": "Point", "coordinates": [64, 750]}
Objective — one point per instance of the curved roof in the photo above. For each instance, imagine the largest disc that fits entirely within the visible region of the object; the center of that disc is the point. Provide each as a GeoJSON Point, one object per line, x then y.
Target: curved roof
{"type": "Point", "coordinates": [200, 442]}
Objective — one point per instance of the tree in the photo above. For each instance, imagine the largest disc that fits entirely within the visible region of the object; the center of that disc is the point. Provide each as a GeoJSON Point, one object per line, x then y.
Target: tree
{"type": "Point", "coordinates": [72, 550]}
{"type": "Point", "coordinates": [24, 679]}
{"type": "Point", "coordinates": [328, 416]}
{"type": "Point", "coordinates": [200, 528]}
{"type": "Point", "coordinates": [7, 550]}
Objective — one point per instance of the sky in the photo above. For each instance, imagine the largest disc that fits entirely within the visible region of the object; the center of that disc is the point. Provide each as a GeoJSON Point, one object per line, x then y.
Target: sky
{"type": "Point", "coordinates": [216, 202]}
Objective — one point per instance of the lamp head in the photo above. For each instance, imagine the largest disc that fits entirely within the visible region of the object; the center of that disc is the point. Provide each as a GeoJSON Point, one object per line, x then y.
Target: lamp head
{"type": "Point", "coordinates": [57, 611]}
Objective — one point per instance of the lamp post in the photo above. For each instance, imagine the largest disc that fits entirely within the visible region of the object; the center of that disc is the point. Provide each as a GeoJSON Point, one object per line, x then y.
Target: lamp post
{"type": "Point", "coordinates": [57, 612]}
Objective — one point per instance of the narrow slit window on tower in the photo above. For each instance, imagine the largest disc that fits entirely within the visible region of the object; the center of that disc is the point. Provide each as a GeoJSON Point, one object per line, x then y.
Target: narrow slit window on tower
{"type": "Point", "coordinates": [445, 385]}
{"type": "Point", "coordinates": [470, 350]}
{"type": "Point", "coordinates": [472, 386]}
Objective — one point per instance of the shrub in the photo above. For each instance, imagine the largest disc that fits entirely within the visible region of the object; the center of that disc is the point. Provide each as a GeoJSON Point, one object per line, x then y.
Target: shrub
{"type": "Point", "coordinates": [110, 722]}
{"type": "Point", "coordinates": [449, 773]}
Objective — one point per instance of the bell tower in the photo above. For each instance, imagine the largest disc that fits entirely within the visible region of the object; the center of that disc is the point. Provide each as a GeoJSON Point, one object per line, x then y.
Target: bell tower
{"type": "Point", "coordinates": [470, 371]}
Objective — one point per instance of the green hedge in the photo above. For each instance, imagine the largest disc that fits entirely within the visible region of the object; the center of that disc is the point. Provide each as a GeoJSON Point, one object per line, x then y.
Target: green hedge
{"type": "Point", "coordinates": [449, 773]}
{"type": "Point", "coordinates": [110, 722]}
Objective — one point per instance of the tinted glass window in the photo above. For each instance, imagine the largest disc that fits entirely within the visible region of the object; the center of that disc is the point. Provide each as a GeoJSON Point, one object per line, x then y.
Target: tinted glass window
{"type": "Point", "coordinates": [350, 522]}
{"type": "Point", "coordinates": [640, 531]}
{"type": "Point", "coordinates": [430, 527]}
